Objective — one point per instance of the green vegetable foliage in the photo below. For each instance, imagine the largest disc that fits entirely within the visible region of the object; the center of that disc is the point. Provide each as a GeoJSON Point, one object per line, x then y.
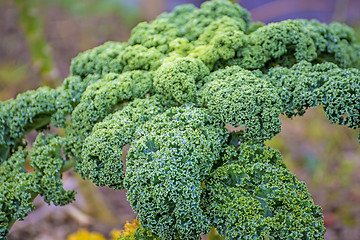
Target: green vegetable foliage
{"type": "Point", "coordinates": [170, 93]}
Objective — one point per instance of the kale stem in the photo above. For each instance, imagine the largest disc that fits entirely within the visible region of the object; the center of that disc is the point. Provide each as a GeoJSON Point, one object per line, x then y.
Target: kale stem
{"type": "Point", "coordinates": [68, 164]}
{"type": "Point", "coordinates": [4, 152]}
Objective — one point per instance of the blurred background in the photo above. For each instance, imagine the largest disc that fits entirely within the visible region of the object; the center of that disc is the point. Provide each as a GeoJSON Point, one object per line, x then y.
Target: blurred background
{"type": "Point", "coordinates": [38, 38]}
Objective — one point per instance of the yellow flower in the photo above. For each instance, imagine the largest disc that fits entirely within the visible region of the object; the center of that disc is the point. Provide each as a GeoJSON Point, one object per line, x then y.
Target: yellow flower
{"type": "Point", "coordinates": [83, 234]}
{"type": "Point", "coordinates": [130, 228]}
{"type": "Point", "coordinates": [115, 233]}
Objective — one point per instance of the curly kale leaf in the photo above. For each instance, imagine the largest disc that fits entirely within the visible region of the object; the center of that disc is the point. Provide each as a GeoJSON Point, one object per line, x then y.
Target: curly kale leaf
{"type": "Point", "coordinates": [165, 168]}
{"type": "Point", "coordinates": [101, 154]}
{"type": "Point", "coordinates": [242, 98]}
{"type": "Point", "coordinates": [37, 109]}
{"type": "Point", "coordinates": [180, 79]}
{"type": "Point", "coordinates": [19, 187]}
{"type": "Point", "coordinates": [292, 41]}
{"type": "Point", "coordinates": [101, 98]}
{"type": "Point", "coordinates": [253, 195]}
{"type": "Point", "coordinates": [219, 41]}
{"type": "Point", "coordinates": [100, 60]}
{"type": "Point", "coordinates": [16, 189]}
{"type": "Point", "coordinates": [30, 110]}
{"type": "Point", "coordinates": [186, 22]}
{"type": "Point", "coordinates": [340, 97]}
{"type": "Point", "coordinates": [47, 162]}
{"type": "Point", "coordinates": [305, 85]}
{"type": "Point", "coordinates": [113, 57]}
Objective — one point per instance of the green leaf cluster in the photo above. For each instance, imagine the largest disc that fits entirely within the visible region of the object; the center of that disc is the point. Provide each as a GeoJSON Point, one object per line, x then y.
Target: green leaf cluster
{"type": "Point", "coordinates": [253, 195]}
{"type": "Point", "coordinates": [171, 92]}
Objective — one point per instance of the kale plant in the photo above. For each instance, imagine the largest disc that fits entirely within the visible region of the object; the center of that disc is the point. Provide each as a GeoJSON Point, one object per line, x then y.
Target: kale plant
{"type": "Point", "coordinates": [171, 92]}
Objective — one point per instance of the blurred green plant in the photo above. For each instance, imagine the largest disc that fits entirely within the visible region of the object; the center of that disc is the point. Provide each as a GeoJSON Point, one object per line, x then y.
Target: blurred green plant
{"type": "Point", "coordinates": [126, 10]}
{"type": "Point", "coordinates": [32, 25]}
{"type": "Point", "coordinates": [357, 31]}
{"type": "Point", "coordinates": [11, 73]}
{"type": "Point", "coordinates": [12, 77]}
